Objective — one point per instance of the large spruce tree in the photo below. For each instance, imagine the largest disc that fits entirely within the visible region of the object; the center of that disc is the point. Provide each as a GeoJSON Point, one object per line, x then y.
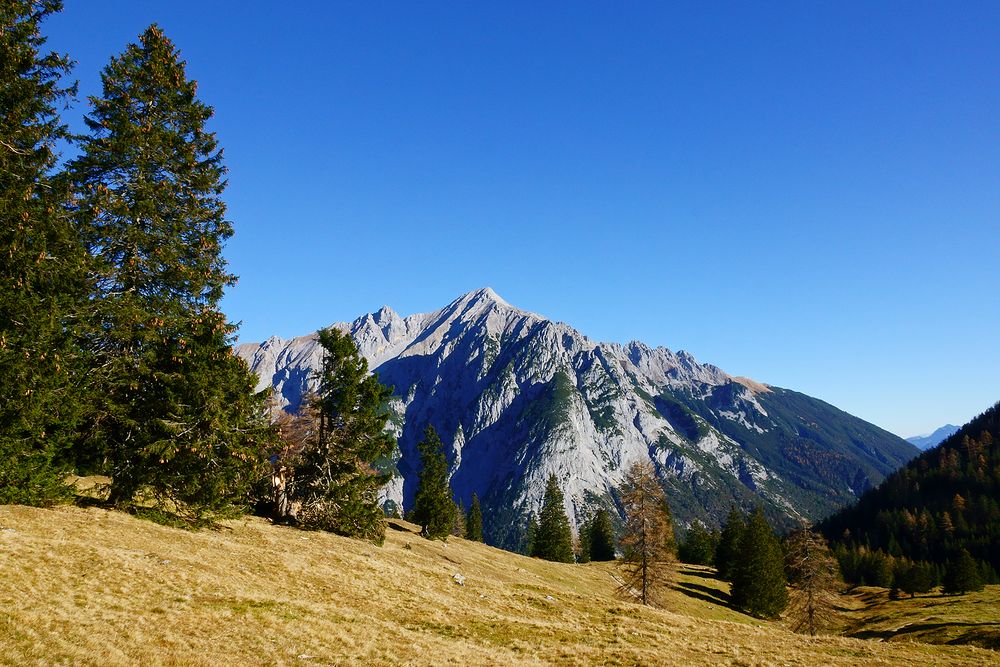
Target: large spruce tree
{"type": "Point", "coordinates": [647, 541]}
{"type": "Point", "coordinates": [333, 478]}
{"type": "Point", "coordinates": [41, 266]}
{"type": "Point", "coordinates": [433, 507]}
{"type": "Point", "coordinates": [554, 538]}
{"type": "Point", "coordinates": [759, 571]}
{"type": "Point", "coordinates": [727, 552]}
{"type": "Point", "coordinates": [178, 420]}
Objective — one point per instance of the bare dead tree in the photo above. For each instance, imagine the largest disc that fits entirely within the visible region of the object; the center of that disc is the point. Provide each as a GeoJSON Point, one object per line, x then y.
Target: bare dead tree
{"type": "Point", "coordinates": [297, 432]}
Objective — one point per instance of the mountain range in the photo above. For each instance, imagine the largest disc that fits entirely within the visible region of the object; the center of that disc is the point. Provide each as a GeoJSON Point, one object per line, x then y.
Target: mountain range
{"type": "Point", "coordinates": [516, 397]}
{"type": "Point", "coordinates": [929, 440]}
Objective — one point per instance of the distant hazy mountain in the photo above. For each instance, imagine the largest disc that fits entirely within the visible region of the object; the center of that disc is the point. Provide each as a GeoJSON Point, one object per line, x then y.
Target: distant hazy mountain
{"type": "Point", "coordinates": [933, 439]}
{"type": "Point", "coordinates": [517, 397]}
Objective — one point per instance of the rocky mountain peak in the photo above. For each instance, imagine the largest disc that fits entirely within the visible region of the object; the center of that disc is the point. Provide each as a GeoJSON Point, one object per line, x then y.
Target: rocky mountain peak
{"type": "Point", "coordinates": [516, 397]}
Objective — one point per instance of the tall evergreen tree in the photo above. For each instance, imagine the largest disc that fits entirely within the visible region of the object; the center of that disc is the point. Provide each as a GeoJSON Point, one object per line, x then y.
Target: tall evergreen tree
{"type": "Point", "coordinates": [647, 541]}
{"type": "Point", "coordinates": [531, 535]}
{"type": "Point", "coordinates": [179, 418]}
{"type": "Point", "coordinates": [334, 480]}
{"type": "Point", "coordinates": [433, 507]}
{"type": "Point", "coordinates": [699, 545]}
{"type": "Point", "coordinates": [601, 537]}
{"type": "Point", "coordinates": [554, 539]}
{"type": "Point", "coordinates": [474, 522]}
{"type": "Point", "coordinates": [727, 553]}
{"type": "Point", "coordinates": [583, 542]}
{"type": "Point", "coordinates": [962, 574]}
{"type": "Point", "coordinates": [759, 574]}
{"type": "Point", "coordinates": [815, 578]}
{"type": "Point", "coordinates": [41, 266]}
{"type": "Point", "coordinates": [458, 526]}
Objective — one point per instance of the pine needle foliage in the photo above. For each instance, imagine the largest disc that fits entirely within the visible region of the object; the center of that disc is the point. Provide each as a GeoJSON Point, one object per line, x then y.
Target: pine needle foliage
{"type": "Point", "coordinates": [727, 552]}
{"type": "Point", "coordinates": [42, 266]}
{"type": "Point", "coordinates": [759, 584]}
{"type": "Point", "coordinates": [433, 507]}
{"type": "Point", "coordinates": [600, 537]}
{"type": "Point", "coordinates": [474, 521]}
{"type": "Point", "coordinates": [334, 481]}
{"type": "Point", "coordinates": [699, 545]}
{"type": "Point", "coordinates": [815, 579]}
{"type": "Point", "coordinates": [554, 537]}
{"type": "Point", "coordinates": [177, 418]}
{"type": "Point", "coordinates": [647, 541]}
{"type": "Point", "coordinates": [962, 575]}
{"type": "Point", "coordinates": [530, 535]}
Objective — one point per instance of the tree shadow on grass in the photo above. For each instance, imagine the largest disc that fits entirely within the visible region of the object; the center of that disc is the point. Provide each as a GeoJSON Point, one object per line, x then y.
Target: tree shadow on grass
{"type": "Point", "coordinates": [704, 574]}
{"type": "Point", "coordinates": [704, 593]}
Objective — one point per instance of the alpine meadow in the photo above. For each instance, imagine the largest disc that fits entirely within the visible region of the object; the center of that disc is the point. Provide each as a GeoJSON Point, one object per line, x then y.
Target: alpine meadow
{"type": "Point", "coordinates": [216, 448]}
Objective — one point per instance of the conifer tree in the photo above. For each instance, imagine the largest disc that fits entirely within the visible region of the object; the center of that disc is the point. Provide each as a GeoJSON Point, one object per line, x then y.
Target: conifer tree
{"type": "Point", "coordinates": [727, 553]}
{"type": "Point", "coordinates": [178, 417]}
{"type": "Point", "coordinates": [583, 542]}
{"type": "Point", "coordinates": [554, 539]}
{"type": "Point", "coordinates": [458, 526]}
{"type": "Point", "coordinates": [699, 545]}
{"type": "Point", "coordinates": [601, 537]}
{"type": "Point", "coordinates": [433, 507]}
{"type": "Point", "coordinates": [815, 578]}
{"type": "Point", "coordinates": [333, 476]}
{"type": "Point", "coordinates": [531, 535]}
{"type": "Point", "coordinates": [42, 266]}
{"type": "Point", "coordinates": [647, 542]}
{"type": "Point", "coordinates": [962, 575]}
{"type": "Point", "coordinates": [474, 521]}
{"type": "Point", "coordinates": [759, 573]}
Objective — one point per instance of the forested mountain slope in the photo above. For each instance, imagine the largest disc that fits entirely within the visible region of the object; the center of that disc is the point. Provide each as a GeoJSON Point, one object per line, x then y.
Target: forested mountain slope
{"type": "Point", "coordinates": [945, 500]}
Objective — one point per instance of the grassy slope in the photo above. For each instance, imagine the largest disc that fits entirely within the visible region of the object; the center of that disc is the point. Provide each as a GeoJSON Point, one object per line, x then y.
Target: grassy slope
{"type": "Point", "coordinates": [973, 618]}
{"type": "Point", "coordinates": [87, 586]}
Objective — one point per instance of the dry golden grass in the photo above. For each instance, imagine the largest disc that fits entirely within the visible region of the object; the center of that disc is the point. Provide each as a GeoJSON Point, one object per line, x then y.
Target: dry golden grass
{"type": "Point", "coordinates": [973, 618]}
{"type": "Point", "coordinates": [92, 587]}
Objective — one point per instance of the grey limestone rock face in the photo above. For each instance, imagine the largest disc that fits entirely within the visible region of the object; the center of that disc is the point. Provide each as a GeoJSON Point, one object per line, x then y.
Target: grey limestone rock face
{"type": "Point", "coordinates": [517, 397]}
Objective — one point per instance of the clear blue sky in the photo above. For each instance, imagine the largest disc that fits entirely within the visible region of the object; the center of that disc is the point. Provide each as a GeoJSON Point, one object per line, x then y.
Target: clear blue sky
{"type": "Point", "coordinates": [807, 193]}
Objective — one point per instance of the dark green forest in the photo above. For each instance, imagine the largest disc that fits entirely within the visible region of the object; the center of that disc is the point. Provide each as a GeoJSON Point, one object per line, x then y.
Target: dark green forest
{"type": "Point", "coordinates": [115, 356]}
{"type": "Point", "coordinates": [936, 513]}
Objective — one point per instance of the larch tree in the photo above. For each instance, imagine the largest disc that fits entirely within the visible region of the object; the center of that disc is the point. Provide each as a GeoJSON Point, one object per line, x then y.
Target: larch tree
{"type": "Point", "coordinates": [433, 506]}
{"type": "Point", "coordinates": [334, 479]}
{"type": "Point", "coordinates": [458, 526]}
{"type": "Point", "coordinates": [474, 521]}
{"type": "Point", "coordinates": [647, 540]}
{"type": "Point", "coordinates": [815, 579]}
{"type": "Point", "coordinates": [42, 266]}
{"type": "Point", "coordinates": [178, 419]}
{"type": "Point", "coordinates": [759, 584]}
{"type": "Point", "coordinates": [554, 537]}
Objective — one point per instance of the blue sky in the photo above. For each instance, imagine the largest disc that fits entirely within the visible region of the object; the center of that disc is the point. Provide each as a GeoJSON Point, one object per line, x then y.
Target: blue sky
{"type": "Point", "coordinates": [804, 193]}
